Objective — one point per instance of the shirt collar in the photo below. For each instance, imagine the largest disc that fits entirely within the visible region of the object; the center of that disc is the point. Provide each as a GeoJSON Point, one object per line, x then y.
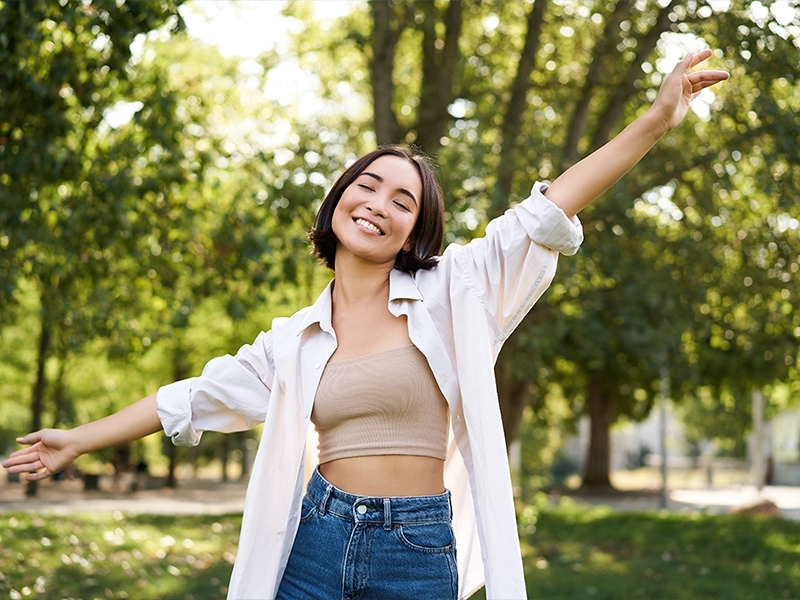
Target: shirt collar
{"type": "Point", "coordinates": [320, 312]}
{"type": "Point", "coordinates": [401, 287]}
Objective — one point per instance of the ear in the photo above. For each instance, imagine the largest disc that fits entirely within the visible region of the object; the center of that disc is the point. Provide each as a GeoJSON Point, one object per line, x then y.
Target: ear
{"type": "Point", "coordinates": [407, 246]}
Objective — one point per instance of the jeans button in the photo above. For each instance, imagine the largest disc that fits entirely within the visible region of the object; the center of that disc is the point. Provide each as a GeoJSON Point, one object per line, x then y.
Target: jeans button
{"type": "Point", "coordinates": [361, 509]}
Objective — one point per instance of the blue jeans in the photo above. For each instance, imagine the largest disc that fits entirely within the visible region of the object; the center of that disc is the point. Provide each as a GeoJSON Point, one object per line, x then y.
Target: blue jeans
{"type": "Point", "coordinates": [367, 548]}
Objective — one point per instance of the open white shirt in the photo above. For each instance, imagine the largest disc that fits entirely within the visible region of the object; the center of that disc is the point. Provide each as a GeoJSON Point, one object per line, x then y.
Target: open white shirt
{"type": "Point", "coordinates": [459, 315]}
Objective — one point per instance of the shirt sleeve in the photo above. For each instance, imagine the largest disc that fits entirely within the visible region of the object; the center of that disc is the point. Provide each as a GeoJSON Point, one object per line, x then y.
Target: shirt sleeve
{"type": "Point", "coordinates": [230, 395]}
{"type": "Point", "coordinates": [514, 263]}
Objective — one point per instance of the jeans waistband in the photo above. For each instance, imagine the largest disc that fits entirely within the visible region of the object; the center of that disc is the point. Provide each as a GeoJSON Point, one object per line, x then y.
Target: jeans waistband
{"type": "Point", "coordinates": [380, 510]}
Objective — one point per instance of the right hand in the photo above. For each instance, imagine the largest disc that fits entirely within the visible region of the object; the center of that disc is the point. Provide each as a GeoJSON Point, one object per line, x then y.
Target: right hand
{"type": "Point", "coordinates": [49, 451]}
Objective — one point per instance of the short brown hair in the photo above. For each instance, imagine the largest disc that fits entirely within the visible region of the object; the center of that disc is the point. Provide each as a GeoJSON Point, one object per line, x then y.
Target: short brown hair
{"type": "Point", "coordinates": [428, 233]}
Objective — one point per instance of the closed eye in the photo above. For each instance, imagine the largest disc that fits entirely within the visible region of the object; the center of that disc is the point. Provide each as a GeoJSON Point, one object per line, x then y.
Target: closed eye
{"type": "Point", "coordinates": [403, 206]}
{"type": "Point", "coordinates": [366, 187]}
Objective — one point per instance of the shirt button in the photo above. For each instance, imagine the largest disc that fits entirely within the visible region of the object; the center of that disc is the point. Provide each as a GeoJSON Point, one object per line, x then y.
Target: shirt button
{"type": "Point", "coordinates": [361, 509]}
{"type": "Point", "coordinates": [317, 365]}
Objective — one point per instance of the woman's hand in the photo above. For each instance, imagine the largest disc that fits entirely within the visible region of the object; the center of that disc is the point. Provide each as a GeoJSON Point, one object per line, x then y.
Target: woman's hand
{"type": "Point", "coordinates": [49, 452]}
{"type": "Point", "coordinates": [681, 87]}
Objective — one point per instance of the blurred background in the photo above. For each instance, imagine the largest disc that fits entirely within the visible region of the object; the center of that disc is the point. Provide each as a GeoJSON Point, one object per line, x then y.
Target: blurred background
{"type": "Point", "coordinates": [161, 163]}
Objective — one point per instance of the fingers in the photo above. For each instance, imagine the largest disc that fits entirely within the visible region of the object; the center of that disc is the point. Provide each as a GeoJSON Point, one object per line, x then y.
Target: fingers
{"type": "Point", "coordinates": [30, 438]}
{"type": "Point", "coordinates": [708, 77]}
{"type": "Point", "coordinates": [696, 59]}
{"type": "Point", "coordinates": [21, 457]}
{"type": "Point", "coordinates": [37, 476]}
{"type": "Point", "coordinates": [14, 457]}
{"type": "Point", "coordinates": [703, 79]}
{"type": "Point", "coordinates": [27, 467]}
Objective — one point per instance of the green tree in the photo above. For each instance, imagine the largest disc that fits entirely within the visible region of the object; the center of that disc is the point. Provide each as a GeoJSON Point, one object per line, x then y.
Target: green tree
{"type": "Point", "coordinates": [504, 93]}
{"type": "Point", "coordinates": [63, 69]}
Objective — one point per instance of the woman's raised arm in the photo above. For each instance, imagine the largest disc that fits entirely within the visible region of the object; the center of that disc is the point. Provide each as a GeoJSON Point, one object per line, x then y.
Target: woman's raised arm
{"type": "Point", "coordinates": [50, 450]}
{"type": "Point", "coordinates": [582, 183]}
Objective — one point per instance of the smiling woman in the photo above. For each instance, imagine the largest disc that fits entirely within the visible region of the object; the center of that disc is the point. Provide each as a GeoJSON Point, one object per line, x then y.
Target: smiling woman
{"type": "Point", "coordinates": [412, 188]}
{"type": "Point", "coordinates": [394, 365]}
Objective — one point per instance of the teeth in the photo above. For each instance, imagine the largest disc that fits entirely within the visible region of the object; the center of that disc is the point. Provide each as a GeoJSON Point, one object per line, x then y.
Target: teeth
{"type": "Point", "coordinates": [369, 226]}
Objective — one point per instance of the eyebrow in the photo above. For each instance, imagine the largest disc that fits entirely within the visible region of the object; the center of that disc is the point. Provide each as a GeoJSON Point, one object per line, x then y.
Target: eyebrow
{"type": "Point", "coordinates": [401, 190]}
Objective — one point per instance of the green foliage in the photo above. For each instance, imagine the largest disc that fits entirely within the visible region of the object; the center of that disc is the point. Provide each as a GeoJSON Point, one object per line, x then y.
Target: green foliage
{"type": "Point", "coordinates": [688, 262]}
{"type": "Point", "coordinates": [178, 234]}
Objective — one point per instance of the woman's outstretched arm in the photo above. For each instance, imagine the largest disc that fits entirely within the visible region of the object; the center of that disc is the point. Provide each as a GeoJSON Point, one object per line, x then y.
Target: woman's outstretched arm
{"type": "Point", "coordinates": [582, 183]}
{"type": "Point", "coordinates": [50, 450]}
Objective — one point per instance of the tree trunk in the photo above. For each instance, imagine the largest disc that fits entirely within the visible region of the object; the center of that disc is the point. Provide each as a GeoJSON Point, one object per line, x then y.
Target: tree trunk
{"type": "Point", "coordinates": [604, 51]}
{"type": "Point", "coordinates": [518, 104]}
{"type": "Point", "coordinates": [626, 88]}
{"type": "Point", "coordinates": [512, 395]}
{"type": "Point", "coordinates": [439, 59]}
{"type": "Point", "coordinates": [60, 396]}
{"type": "Point", "coordinates": [224, 453]}
{"type": "Point", "coordinates": [381, 66]}
{"type": "Point", "coordinates": [180, 370]}
{"type": "Point", "coordinates": [244, 441]}
{"type": "Point", "coordinates": [37, 395]}
{"type": "Point", "coordinates": [596, 472]}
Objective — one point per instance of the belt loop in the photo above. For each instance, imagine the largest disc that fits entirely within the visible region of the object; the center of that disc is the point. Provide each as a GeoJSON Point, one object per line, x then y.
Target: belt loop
{"type": "Point", "coordinates": [323, 503]}
{"type": "Point", "coordinates": [450, 505]}
{"type": "Point", "coordinates": [387, 514]}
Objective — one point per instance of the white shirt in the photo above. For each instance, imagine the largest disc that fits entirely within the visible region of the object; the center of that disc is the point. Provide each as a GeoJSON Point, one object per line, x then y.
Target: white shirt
{"type": "Point", "coordinates": [459, 315]}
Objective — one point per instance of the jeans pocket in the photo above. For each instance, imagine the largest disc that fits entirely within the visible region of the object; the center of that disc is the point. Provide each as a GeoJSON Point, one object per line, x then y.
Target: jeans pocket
{"type": "Point", "coordinates": [434, 537]}
{"type": "Point", "coordinates": [308, 510]}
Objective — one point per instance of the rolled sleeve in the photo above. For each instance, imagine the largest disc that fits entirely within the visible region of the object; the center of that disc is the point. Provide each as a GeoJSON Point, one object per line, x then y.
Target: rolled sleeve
{"type": "Point", "coordinates": [513, 264]}
{"type": "Point", "coordinates": [547, 224]}
{"type": "Point", "coordinates": [175, 412]}
{"type": "Point", "coordinates": [232, 394]}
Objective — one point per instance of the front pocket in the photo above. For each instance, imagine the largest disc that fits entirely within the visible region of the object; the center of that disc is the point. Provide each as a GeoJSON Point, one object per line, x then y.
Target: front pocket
{"type": "Point", "coordinates": [308, 510]}
{"type": "Point", "coordinates": [436, 537]}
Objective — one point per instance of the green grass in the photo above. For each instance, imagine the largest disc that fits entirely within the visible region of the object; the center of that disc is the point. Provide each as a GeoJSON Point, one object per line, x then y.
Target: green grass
{"type": "Point", "coordinates": [570, 552]}
{"type": "Point", "coordinates": [86, 556]}
{"type": "Point", "coordinates": [578, 552]}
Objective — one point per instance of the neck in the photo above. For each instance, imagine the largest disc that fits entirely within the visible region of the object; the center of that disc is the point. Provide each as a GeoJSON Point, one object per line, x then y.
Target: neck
{"type": "Point", "coordinates": [358, 283]}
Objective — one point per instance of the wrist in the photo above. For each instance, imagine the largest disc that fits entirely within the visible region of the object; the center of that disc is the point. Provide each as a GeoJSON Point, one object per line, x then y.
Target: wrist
{"type": "Point", "coordinates": [79, 439]}
{"type": "Point", "coordinates": [656, 123]}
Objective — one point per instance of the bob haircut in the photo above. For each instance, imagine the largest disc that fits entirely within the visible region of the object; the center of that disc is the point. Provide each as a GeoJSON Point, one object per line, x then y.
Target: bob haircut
{"type": "Point", "coordinates": [428, 233]}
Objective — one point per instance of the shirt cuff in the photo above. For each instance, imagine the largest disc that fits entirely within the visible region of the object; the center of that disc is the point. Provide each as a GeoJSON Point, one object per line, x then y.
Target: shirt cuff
{"type": "Point", "coordinates": [175, 412]}
{"type": "Point", "coordinates": [553, 229]}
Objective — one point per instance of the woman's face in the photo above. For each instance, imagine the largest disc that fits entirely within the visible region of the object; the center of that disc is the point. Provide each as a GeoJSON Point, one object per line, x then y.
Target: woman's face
{"type": "Point", "coordinates": [376, 214]}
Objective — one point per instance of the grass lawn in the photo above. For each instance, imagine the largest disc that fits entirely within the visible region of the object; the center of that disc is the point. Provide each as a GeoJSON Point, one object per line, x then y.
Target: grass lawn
{"type": "Point", "coordinates": [101, 555]}
{"type": "Point", "coordinates": [570, 552]}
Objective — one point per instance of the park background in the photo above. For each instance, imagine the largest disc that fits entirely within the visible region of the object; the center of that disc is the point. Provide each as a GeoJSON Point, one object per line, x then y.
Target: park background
{"type": "Point", "coordinates": [161, 163]}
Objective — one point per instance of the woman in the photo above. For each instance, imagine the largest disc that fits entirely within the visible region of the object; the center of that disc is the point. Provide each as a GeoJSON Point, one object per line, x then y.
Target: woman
{"type": "Point", "coordinates": [393, 364]}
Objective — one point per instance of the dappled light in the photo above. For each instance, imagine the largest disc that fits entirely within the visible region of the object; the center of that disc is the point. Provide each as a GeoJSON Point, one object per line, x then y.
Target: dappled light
{"type": "Point", "coordinates": [161, 165]}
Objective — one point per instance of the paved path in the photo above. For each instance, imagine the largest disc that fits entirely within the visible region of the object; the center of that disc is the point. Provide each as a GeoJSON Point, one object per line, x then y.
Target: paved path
{"type": "Point", "coordinates": [195, 496]}
{"type": "Point", "coordinates": [717, 500]}
{"type": "Point", "coordinates": [199, 496]}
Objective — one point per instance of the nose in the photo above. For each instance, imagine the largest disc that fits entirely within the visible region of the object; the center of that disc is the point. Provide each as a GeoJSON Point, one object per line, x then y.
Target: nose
{"type": "Point", "coordinates": [377, 208]}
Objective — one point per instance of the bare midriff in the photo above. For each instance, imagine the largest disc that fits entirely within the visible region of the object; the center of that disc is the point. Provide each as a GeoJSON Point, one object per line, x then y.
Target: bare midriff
{"type": "Point", "coordinates": [386, 475]}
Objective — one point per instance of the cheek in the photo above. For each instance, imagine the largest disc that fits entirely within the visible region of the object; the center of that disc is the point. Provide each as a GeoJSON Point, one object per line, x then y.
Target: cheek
{"type": "Point", "coordinates": [336, 219]}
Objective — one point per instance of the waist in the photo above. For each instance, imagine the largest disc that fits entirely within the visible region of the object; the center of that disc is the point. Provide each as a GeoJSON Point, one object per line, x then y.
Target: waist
{"type": "Point", "coordinates": [386, 475]}
{"type": "Point", "coordinates": [378, 509]}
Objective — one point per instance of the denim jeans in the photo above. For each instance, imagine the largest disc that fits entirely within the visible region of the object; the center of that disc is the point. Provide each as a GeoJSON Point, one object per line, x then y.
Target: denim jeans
{"type": "Point", "coordinates": [369, 548]}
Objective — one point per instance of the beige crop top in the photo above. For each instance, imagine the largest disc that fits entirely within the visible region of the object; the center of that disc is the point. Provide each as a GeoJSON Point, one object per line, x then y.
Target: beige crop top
{"type": "Point", "coordinates": [382, 403]}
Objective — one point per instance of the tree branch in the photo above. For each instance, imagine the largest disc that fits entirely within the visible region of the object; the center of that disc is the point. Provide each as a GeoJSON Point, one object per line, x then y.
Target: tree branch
{"type": "Point", "coordinates": [616, 104]}
{"type": "Point", "coordinates": [517, 104]}
{"type": "Point", "coordinates": [600, 58]}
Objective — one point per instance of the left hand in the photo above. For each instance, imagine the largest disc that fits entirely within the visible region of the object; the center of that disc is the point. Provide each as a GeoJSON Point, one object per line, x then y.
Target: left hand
{"type": "Point", "coordinates": [681, 87]}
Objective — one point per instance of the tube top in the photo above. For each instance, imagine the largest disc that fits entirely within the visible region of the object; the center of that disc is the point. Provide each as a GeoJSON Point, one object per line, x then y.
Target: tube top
{"type": "Point", "coordinates": [382, 403]}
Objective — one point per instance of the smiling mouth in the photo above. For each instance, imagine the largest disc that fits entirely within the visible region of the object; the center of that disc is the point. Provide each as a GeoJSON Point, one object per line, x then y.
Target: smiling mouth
{"type": "Point", "coordinates": [367, 225]}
